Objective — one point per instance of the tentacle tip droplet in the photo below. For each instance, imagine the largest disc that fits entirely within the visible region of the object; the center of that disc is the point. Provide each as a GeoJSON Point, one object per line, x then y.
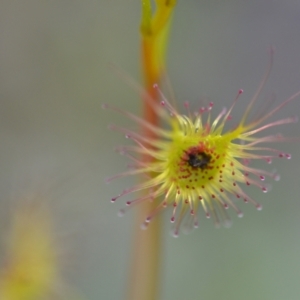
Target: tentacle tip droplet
{"type": "Point", "coordinates": [172, 219]}
{"type": "Point", "coordinates": [259, 207]}
{"type": "Point", "coordinates": [240, 214]}
{"type": "Point", "coordinates": [269, 160]}
{"type": "Point", "coordinates": [227, 223]}
{"type": "Point", "coordinates": [144, 226]}
{"type": "Point", "coordinates": [175, 234]}
{"type": "Point", "coordinates": [121, 212]}
{"type": "Point", "coordinates": [120, 150]}
{"type": "Point", "coordinates": [276, 177]}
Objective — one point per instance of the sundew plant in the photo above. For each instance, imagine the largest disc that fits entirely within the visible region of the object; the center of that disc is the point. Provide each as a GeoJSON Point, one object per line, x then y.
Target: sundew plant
{"type": "Point", "coordinates": [195, 163]}
{"type": "Point", "coordinates": [190, 162]}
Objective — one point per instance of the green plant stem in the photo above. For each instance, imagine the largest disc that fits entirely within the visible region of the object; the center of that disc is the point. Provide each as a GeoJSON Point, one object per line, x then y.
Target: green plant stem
{"type": "Point", "coordinates": [145, 272]}
{"type": "Point", "coordinates": [144, 277]}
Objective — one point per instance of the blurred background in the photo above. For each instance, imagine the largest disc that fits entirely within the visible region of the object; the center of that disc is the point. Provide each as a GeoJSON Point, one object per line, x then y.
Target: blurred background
{"type": "Point", "coordinates": [55, 75]}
